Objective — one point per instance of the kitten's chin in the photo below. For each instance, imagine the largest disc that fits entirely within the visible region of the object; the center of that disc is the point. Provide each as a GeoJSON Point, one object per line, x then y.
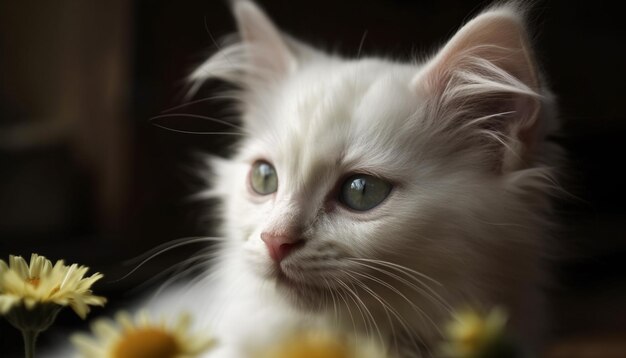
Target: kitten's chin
{"type": "Point", "coordinates": [302, 293]}
{"type": "Point", "coordinates": [304, 297]}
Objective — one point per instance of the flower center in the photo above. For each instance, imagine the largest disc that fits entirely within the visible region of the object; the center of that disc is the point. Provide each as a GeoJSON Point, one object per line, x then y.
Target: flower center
{"type": "Point", "coordinates": [147, 343]}
{"type": "Point", "coordinates": [313, 347]}
{"type": "Point", "coordinates": [471, 337]}
{"type": "Point", "coordinates": [34, 281]}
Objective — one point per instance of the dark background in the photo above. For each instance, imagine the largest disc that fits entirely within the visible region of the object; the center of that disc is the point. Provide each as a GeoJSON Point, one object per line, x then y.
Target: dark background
{"type": "Point", "coordinates": [85, 176]}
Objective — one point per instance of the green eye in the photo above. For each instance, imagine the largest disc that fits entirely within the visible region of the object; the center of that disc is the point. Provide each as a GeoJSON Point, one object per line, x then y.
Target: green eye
{"type": "Point", "coordinates": [263, 179]}
{"type": "Point", "coordinates": [363, 192]}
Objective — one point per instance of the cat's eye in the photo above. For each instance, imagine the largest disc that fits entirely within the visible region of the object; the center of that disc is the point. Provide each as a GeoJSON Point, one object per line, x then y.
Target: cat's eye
{"type": "Point", "coordinates": [263, 178]}
{"type": "Point", "coordinates": [362, 192]}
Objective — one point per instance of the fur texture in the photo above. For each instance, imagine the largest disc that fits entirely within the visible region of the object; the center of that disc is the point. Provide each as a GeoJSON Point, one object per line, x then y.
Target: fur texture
{"type": "Point", "coordinates": [460, 136]}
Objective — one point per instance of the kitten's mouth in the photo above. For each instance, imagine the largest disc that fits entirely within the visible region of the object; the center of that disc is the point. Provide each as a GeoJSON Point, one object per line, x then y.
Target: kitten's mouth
{"type": "Point", "coordinates": [282, 278]}
{"type": "Point", "coordinates": [302, 292]}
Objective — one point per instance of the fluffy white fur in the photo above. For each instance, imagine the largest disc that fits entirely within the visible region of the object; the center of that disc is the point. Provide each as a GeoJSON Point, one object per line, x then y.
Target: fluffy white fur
{"type": "Point", "coordinates": [461, 136]}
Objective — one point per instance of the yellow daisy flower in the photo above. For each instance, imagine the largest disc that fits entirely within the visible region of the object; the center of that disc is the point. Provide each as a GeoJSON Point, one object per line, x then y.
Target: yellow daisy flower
{"type": "Point", "coordinates": [142, 337]}
{"type": "Point", "coordinates": [42, 283]}
{"type": "Point", "coordinates": [473, 334]}
{"type": "Point", "coordinates": [321, 344]}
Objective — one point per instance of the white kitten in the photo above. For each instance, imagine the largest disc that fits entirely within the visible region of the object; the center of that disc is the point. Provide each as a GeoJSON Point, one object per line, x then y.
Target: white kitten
{"type": "Point", "coordinates": [374, 195]}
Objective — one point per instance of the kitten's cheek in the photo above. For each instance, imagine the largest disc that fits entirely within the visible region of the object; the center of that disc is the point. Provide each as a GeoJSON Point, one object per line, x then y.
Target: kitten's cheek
{"type": "Point", "coordinates": [246, 223]}
{"type": "Point", "coordinates": [257, 260]}
{"type": "Point", "coordinates": [248, 235]}
{"type": "Point", "coordinates": [255, 246]}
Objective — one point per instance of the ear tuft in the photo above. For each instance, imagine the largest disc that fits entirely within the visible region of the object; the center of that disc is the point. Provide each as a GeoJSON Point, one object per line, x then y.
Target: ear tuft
{"type": "Point", "coordinates": [260, 54]}
{"type": "Point", "coordinates": [497, 36]}
{"type": "Point", "coordinates": [265, 45]}
{"type": "Point", "coordinates": [485, 79]}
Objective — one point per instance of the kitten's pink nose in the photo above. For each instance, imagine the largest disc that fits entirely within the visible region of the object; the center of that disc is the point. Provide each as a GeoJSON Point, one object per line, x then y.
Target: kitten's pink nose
{"type": "Point", "coordinates": [279, 246]}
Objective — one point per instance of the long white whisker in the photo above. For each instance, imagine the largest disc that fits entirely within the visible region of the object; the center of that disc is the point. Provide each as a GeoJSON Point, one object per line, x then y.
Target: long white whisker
{"type": "Point", "coordinates": [389, 309]}
{"type": "Point", "coordinates": [352, 295]}
{"type": "Point", "coordinates": [206, 99]}
{"type": "Point", "coordinates": [164, 248]}
{"type": "Point", "coordinates": [182, 269]}
{"type": "Point", "coordinates": [429, 293]}
{"type": "Point", "coordinates": [198, 133]}
{"type": "Point", "coordinates": [332, 295]}
{"type": "Point", "coordinates": [363, 286]}
{"type": "Point", "coordinates": [410, 273]}
{"type": "Point", "coordinates": [369, 314]}
{"type": "Point", "coordinates": [197, 116]}
{"type": "Point", "coordinates": [400, 267]}
{"type": "Point", "coordinates": [339, 292]}
{"type": "Point", "coordinates": [402, 295]}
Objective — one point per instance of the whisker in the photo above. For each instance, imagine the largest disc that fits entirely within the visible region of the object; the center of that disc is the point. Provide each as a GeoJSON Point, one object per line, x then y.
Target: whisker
{"type": "Point", "coordinates": [339, 292]}
{"type": "Point", "coordinates": [352, 296]}
{"type": "Point", "coordinates": [358, 53]}
{"type": "Point", "coordinates": [369, 314]}
{"type": "Point", "coordinates": [385, 306]}
{"type": "Point", "coordinates": [199, 133]}
{"type": "Point", "coordinates": [389, 308]}
{"type": "Point", "coordinates": [196, 116]}
{"type": "Point", "coordinates": [201, 100]}
{"type": "Point", "coordinates": [144, 258]}
{"type": "Point", "coordinates": [332, 295]}
{"type": "Point", "coordinates": [400, 267]}
{"type": "Point", "coordinates": [408, 272]}
{"type": "Point", "coordinates": [402, 295]}
{"type": "Point", "coordinates": [173, 273]}
{"type": "Point", "coordinates": [429, 293]}
{"type": "Point", "coordinates": [182, 269]}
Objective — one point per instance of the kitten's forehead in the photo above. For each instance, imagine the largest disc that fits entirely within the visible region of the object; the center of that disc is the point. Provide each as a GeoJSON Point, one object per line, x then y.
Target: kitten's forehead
{"type": "Point", "coordinates": [338, 116]}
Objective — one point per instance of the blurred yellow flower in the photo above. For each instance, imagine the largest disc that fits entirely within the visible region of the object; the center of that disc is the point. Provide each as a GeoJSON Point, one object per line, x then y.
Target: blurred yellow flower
{"type": "Point", "coordinates": [42, 283]}
{"type": "Point", "coordinates": [321, 344]}
{"type": "Point", "coordinates": [142, 337]}
{"type": "Point", "coordinates": [473, 334]}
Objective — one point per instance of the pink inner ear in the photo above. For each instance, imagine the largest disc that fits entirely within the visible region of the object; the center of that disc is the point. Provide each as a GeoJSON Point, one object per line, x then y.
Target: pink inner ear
{"type": "Point", "coordinates": [485, 69]}
{"type": "Point", "coordinates": [498, 37]}
{"type": "Point", "coordinates": [267, 51]}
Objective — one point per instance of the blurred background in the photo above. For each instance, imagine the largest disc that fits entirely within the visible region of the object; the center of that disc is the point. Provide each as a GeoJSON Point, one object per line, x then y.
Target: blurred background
{"type": "Point", "coordinates": [86, 175]}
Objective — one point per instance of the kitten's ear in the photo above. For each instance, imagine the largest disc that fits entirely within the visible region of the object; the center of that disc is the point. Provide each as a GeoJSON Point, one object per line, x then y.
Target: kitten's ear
{"type": "Point", "coordinates": [260, 55]}
{"type": "Point", "coordinates": [267, 50]}
{"type": "Point", "coordinates": [485, 79]}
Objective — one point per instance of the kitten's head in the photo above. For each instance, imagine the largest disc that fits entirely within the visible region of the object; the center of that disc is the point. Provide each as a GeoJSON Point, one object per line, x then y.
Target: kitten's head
{"type": "Point", "coordinates": [396, 181]}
